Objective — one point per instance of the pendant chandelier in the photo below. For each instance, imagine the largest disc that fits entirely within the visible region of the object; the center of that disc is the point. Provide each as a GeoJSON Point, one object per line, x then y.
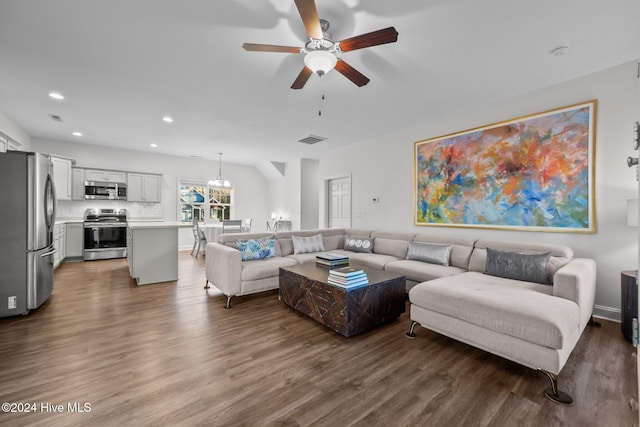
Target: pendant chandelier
{"type": "Point", "coordinates": [220, 182]}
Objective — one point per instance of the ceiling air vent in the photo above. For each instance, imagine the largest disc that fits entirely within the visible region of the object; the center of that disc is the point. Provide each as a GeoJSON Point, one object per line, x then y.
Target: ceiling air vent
{"type": "Point", "coordinates": [55, 117]}
{"type": "Point", "coordinates": [312, 139]}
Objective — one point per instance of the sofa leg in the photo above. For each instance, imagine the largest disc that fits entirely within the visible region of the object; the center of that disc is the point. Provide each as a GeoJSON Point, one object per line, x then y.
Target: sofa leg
{"type": "Point", "coordinates": [227, 306]}
{"type": "Point", "coordinates": [412, 334]}
{"type": "Point", "coordinates": [553, 393]}
{"type": "Point", "coordinates": [594, 323]}
{"type": "Point", "coordinates": [206, 285]}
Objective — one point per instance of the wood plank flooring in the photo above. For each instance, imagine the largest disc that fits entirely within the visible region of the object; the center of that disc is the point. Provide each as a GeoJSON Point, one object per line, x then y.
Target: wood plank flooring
{"type": "Point", "coordinates": [169, 354]}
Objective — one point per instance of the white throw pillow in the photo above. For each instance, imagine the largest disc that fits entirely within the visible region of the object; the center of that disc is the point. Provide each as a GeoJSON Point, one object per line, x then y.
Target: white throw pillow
{"type": "Point", "coordinates": [429, 252]}
{"type": "Point", "coordinates": [303, 245]}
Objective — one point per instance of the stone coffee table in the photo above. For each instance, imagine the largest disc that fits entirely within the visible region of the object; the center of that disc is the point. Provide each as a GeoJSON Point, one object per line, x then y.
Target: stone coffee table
{"type": "Point", "coordinates": [304, 287]}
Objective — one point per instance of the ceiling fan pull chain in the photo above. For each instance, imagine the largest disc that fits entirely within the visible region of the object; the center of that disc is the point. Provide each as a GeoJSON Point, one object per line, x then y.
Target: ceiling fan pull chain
{"type": "Point", "coordinates": [320, 105]}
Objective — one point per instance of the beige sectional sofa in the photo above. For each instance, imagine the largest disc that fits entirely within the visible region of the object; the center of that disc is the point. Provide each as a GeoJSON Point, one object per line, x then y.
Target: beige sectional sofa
{"type": "Point", "coordinates": [534, 324]}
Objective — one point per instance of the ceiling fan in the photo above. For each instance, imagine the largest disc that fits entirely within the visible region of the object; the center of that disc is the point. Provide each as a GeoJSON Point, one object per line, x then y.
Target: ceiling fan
{"type": "Point", "coordinates": [320, 51]}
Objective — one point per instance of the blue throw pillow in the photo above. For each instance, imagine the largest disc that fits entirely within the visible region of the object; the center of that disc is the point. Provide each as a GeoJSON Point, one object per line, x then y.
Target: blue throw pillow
{"type": "Point", "coordinates": [257, 249]}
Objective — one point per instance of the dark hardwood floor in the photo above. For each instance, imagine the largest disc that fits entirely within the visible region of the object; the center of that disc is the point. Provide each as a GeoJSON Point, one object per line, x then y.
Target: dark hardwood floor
{"type": "Point", "coordinates": [169, 354]}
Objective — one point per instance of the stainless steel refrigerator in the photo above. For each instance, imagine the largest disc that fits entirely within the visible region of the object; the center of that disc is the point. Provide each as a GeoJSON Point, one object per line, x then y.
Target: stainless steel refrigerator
{"type": "Point", "coordinates": [27, 216]}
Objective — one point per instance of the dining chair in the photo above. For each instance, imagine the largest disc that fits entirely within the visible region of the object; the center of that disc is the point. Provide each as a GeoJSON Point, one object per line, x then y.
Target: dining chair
{"type": "Point", "coordinates": [199, 239]}
{"type": "Point", "coordinates": [246, 225]}
{"type": "Point", "coordinates": [232, 226]}
{"type": "Point", "coordinates": [283, 225]}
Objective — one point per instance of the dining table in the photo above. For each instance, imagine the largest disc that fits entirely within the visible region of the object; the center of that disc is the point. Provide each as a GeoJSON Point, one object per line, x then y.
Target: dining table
{"type": "Point", "coordinates": [212, 231]}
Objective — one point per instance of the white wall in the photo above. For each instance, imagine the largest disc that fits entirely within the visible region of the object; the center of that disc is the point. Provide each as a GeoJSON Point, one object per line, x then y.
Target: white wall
{"type": "Point", "coordinates": [250, 187]}
{"type": "Point", "coordinates": [309, 194]}
{"type": "Point", "coordinates": [284, 195]}
{"type": "Point", "coordinates": [384, 167]}
{"type": "Point", "coordinates": [11, 129]}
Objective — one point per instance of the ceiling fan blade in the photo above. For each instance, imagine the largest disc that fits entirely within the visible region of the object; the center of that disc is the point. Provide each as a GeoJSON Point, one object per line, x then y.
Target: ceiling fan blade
{"type": "Point", "coordinates": [302, 78]}
{"type": "Point", "coordinates": [309, 15]}
{"type": "Point", "coordinates": [351, 73]}
{"type": "Point", "coordinates": [374, 38]}
{"type": "Point", "coordinates": [253, 47]}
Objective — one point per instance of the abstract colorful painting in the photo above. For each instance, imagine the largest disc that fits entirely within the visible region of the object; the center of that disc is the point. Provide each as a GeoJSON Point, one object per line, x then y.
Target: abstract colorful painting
{"type": "Point", "coordinates": [533, 173]}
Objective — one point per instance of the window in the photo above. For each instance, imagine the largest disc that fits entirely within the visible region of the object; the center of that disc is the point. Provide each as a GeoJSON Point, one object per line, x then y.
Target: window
{"type": "Point", "coordinates": [198, 200]}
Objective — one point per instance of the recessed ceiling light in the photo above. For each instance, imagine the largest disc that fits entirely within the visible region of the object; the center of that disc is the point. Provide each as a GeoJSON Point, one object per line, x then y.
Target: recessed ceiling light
{"type": "Point", "coordinates": [167, 119]}
{"type": "Point", "coordinates": [153, 145]}
{"type": "Point", "coordinates": [560, 50]}
{"type": "Point", "coordinates": [56, 95]}
{"type": "Point", "coordinates": [77, 133]}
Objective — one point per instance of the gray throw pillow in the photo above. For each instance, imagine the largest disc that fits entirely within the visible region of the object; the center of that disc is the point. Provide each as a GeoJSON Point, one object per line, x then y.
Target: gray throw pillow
{"type": "Point", "coordinates": [359, 244]}
{"type": "Point", "coordinates": [429, 252]}
{"type": "Point", "coordinates": [303, 245]}
{"type": "Point", "coordinates": [512, 265]}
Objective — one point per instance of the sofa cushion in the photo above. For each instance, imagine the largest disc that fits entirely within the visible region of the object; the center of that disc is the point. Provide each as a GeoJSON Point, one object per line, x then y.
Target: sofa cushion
{"type": "Point", "coordinates": [560, 254]}
{"type": "Point", "coordinates": [461, 248]}
{"type": "Point", "coordinates": [518, 266]}
{"type": "Point", "coordinates": [418, 271]}
{"type": "Point", "coordinates": [429, 252]}
{"type": "Point", "coordinates": [257, 249]}
{"type": "Point", "coordinates": [333, 242]}
{"type": "Point", "coordinates": [394, 244]}
{"type": "Point", "coordinates": [371, 260]}
{"type": "Point", "coordinates": [359, 244]}
{"type": "Point", "coordinates": [302, 258]}
{"type": "Point", "coordinates": [265, 268]}
{"type": "Point", "coordinates": [520, 309]}
{"type": "Point", "coordinates": [304, 245]}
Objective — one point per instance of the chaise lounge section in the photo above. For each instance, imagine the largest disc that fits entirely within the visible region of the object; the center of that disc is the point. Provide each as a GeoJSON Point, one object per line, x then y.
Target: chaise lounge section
{"type": "Point", "coordinates": [534, 324]}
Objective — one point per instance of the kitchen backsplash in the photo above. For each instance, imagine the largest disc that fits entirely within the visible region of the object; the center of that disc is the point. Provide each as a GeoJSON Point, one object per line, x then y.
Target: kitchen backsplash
{"type": "Point", "coordinates": [75, 209]}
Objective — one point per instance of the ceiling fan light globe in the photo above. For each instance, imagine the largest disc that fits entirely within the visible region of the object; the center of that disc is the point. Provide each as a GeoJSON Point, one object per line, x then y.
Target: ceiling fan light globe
{"type": "Point", "coordinates": [320, 61]}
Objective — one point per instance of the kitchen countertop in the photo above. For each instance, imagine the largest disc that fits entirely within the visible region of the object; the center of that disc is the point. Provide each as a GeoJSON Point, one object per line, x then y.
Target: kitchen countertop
{"type": "Point", "coordinates": [137, 225]}
{"type": "Point", "coordinates": [69, 221]}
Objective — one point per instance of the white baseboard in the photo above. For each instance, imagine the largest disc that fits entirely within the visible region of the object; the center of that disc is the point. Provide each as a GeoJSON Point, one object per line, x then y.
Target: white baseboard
{"type": "Point", "coordinates": [608, 313]}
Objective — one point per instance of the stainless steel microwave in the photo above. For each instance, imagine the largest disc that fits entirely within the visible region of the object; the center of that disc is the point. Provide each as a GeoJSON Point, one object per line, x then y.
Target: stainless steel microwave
{"type": "Point", "coordinates": [94, 190]}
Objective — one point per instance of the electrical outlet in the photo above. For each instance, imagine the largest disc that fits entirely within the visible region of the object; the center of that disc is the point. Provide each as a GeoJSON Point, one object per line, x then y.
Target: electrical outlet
{"type": "Point", "coordinates": [12, 303]}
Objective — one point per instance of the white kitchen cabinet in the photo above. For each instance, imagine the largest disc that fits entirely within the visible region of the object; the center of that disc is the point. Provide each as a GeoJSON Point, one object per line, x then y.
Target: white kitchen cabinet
{"type": "Point", "coordinates": [7, 144]}
{"type": "Point", "coordinates": [74, 240]}
{"type": "Point", "coordinates": [144, 187]}
{"type": "Point", "coordinates": [105, 175]}
{"type": "Point", "coordinates": [62, 177]}
{"type": "Point", "coordinates": [152, 252]}
{"type": "Point", "coordinates": [59, 243]}
{"type": "Point", "coordinates": [77, 184]}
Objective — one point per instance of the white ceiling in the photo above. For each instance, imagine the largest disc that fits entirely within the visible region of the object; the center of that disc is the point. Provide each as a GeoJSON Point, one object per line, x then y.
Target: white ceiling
{"type": "Point", "coordinates": [124, 64]}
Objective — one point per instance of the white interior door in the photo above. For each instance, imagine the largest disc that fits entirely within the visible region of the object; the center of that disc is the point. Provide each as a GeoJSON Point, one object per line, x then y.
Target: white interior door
{"type": "Point", "coordinates": [339, 202]}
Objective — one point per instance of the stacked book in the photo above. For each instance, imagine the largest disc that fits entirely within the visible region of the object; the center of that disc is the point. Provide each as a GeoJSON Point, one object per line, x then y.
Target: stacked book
{"type": "Point", "coordinates": [348, 277]}
{"type": "Point", "coordinates": [332, 259]}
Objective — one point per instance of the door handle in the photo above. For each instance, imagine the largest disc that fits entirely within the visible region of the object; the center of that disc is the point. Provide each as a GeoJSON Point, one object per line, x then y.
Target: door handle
{"type": "Point", "coordinates": [632, 161]}
{"type": "Point", "coordinates": [48, 253]}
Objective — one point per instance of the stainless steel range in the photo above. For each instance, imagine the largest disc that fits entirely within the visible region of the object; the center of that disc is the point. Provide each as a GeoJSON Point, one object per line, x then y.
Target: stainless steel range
{"type": "Point", "coordinates": [105, 234]}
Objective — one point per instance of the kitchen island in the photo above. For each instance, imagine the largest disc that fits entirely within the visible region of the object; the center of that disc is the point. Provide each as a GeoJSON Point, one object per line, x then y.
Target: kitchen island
{"type": "Point", "coordinates": [152, 251]}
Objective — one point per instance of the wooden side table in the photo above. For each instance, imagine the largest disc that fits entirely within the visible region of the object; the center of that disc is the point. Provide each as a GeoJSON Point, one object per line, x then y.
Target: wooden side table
{"type": "Point", "coordinates": [629, 295]}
